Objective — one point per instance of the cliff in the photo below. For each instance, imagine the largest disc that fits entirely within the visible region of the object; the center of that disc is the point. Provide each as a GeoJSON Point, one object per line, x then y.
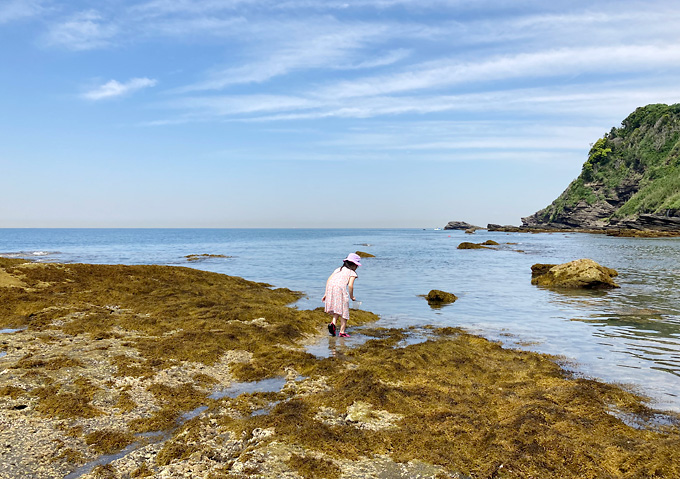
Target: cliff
{"type": "Point", "coordinates": [631, 178]}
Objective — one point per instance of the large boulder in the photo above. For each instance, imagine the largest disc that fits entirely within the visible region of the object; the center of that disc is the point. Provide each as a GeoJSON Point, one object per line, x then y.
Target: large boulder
{"type": "Point", "coordinates": [582, 273]}
{"type": "Point", "coordinates": [437, 297]}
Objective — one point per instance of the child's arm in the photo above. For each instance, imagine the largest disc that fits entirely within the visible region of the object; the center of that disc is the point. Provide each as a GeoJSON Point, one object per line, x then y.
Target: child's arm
{"type": "Point", "coordinates": [351, 288]}
{"type": "Point", "coordinates": [324, 294]}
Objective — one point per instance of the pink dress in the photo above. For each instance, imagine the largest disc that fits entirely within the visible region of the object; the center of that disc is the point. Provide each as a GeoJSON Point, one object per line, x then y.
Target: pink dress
{"type": "Point", "coordinates": [337, 296]}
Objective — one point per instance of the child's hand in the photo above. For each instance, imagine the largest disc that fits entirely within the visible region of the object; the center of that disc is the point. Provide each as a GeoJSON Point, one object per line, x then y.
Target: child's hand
{"type": "Point", "coordinates": [353, 298]}
{"type": "Point", "coordinates": [324, 298]}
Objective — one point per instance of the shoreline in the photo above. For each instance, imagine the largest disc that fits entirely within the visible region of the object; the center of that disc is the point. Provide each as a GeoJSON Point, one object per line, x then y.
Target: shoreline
{"type": "Point", "coordinates": [618, 232]}
{"type": "Point", "coordinates": [111, 352]}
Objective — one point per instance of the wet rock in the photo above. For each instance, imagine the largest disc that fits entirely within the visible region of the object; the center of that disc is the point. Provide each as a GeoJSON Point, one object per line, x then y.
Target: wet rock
{"type": "Point", "coordinates": [582, 273]}
{"type": "Point", "coordinates": [363, 254]}
{"type": "Point", "coordinates": [437, 297]}
{"type": "Point", "coordinates": [364, 416]}
{"type": "Point", "coordinates": [489, 243]}
{"type": "Point", "coordinates": [468, 245]}
{"type": "Point", "coordinates": [505, 228]}
{"type": "Point", "coordinates": [540, 269]}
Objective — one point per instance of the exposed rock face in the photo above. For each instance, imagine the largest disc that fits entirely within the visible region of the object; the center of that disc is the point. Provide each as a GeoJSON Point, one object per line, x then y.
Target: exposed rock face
{"type": "Point", "coordinates": [585, 215]}
{"type": "Point", "coordinates": [630, 180]}
{"type": "Point", "coordinates": [509, 228]}
{"type": "Point", "coordinates": [582, 273]}
{"type": "Point", "coordinates": [669, 222]}
{"type": "Point", "coordinates": [460, 225]}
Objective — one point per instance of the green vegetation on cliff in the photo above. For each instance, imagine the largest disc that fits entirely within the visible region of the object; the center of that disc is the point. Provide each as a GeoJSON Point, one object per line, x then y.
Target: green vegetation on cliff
{"type": "Point", "coordinates": [632, 170]}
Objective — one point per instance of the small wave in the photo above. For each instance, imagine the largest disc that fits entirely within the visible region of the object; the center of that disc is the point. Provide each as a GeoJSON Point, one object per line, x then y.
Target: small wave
{"type": "Point", "coordinates": [28, 254]}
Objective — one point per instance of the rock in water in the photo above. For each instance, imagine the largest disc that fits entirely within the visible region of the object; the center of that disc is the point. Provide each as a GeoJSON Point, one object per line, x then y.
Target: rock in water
{"type": "Point", "coordinates": [468, 245]}
{"type": "Point", "coordinates": [437, 297]}
{"type": "Point", "coordinates": [460, 225]}
{"type": "Point", "coordinates": [582, 273]}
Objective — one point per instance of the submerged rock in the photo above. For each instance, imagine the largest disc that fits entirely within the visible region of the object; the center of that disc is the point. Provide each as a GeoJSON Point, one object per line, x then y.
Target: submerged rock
{"type": "Point", "coordinates": [199, 257]}
{"type": "Point", "coordinates": [582, 273]}
{"type": "Point", "coordinates": [437, 297]}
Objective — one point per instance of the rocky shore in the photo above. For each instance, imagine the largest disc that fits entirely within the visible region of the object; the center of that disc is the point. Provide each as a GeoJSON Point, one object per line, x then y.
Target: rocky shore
{"type": "Point", "coordinates": [609, 231]}
{"type": "Point", "coordinates": [151, 371]}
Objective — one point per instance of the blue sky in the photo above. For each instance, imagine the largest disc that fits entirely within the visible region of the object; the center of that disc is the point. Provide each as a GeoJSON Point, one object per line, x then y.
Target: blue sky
{"type": "Point", "coordinates": [306, 113]}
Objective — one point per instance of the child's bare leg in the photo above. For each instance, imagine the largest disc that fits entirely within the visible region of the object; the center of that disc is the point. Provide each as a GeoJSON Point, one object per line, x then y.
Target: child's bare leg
{"type": "Point", "coordinates": [335, 319]}
{"type": "Point", "coordinates": [343, 324]}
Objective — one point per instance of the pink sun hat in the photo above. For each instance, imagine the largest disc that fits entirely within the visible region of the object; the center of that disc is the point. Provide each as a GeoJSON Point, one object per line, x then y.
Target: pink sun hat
{"type": "Point", "coordinates": [354, 258]}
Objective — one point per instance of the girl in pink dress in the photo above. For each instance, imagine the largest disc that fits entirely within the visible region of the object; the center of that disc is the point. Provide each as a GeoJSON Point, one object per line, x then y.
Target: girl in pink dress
{"type": "Point", "coordinates": [337, 295]}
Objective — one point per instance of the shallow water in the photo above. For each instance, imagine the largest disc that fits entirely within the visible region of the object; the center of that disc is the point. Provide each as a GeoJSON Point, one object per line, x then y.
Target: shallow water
{"type": "Point", "coordinates": [234, 390]}
{"type": "Point", "coordinates": [629, 335]}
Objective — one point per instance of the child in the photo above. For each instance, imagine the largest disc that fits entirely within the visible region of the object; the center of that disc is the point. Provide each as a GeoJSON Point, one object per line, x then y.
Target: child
{"type": "Point", "coordinates": [337, 297]}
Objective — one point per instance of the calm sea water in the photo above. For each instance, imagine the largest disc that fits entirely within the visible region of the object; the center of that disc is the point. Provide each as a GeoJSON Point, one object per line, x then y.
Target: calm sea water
{"type": "Point", "coordinates": [630, 335]}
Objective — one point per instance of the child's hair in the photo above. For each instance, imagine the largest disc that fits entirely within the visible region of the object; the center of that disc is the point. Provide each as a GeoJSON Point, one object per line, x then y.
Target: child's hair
{"type": "Point", "coordinates": [348, 264]}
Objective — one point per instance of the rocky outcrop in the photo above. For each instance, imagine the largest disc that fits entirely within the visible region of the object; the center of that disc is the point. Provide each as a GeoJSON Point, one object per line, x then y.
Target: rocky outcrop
{"type": "Point", "coordinates": [582, 273]}
{"type": "Point", "coordinates": [582, 214]}
{"type": "Point", "coordinates": [438, 298]}
{"type": "Point", "coordinates": [505, 228]}
{"type": "Point", "coordinates": [630, 180]}
{"type": "Point", "coordinates": [460, 225]}
{"type": "Point", "coordinates": [668, 222]}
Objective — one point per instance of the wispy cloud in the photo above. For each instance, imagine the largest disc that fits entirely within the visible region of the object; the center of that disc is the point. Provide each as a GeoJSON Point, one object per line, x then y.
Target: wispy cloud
{"type": "Point", "coordinates": [83, 31]}
{"type": "Point", "coordinates": [13, 10]}
{"type": "Point", "coordinates": [286, 47]}
{"type": "Point", "coordinates": [114, 88]}
{"type": "Point", "coordinates": [553, 63]}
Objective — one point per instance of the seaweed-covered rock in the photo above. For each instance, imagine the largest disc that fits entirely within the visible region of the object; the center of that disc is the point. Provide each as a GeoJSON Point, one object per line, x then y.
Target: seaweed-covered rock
{"type": "Point", "coordinates": [489, 243]}
{"type": "Point", "coordinates": [363, 254]}
{"type": "Point", "coordinates": [468, 245]}
{"type": "Point", "coordinates": [540, 268]}
{"type": "Point", "coordinates": [438, 297]}
{"type": "Point", "coordinates": [582, 273]}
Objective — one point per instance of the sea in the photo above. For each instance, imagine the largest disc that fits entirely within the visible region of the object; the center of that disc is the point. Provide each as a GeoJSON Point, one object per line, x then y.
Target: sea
{"type": "Point", "coordinates": [628, 336]}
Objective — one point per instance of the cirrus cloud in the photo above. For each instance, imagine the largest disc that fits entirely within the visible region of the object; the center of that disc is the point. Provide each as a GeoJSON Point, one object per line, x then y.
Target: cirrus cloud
{"type": "Point", "coordinates": [114, 88]}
